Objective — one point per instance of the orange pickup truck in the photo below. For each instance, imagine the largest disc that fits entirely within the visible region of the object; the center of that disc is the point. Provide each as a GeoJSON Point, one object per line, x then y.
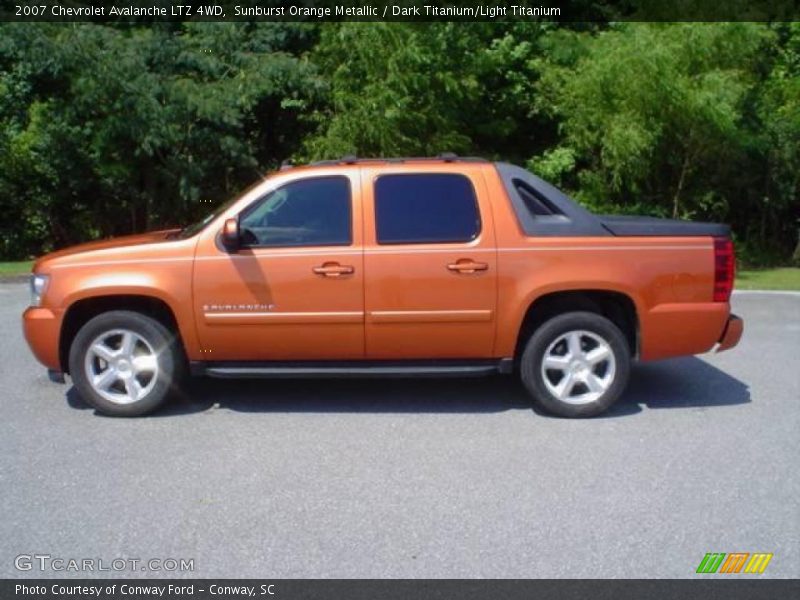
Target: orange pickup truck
{"type": "Point", "coordinates": [392, 267]}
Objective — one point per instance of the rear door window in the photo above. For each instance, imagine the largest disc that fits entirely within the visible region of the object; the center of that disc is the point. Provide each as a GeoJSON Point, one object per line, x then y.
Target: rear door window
{"type": "Point", "coordinates": [425, 208]}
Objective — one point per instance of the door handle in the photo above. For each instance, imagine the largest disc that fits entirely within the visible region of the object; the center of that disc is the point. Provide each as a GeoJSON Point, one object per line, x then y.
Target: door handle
{"type": "Point", "coordinates": [466, 265]}
{"type": "Point", "coordinates": [332, 269]}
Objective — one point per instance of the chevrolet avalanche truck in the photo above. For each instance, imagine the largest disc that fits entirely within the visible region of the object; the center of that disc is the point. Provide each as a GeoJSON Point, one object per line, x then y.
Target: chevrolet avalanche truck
{"type": "Point", "coordinates": [392, 267]}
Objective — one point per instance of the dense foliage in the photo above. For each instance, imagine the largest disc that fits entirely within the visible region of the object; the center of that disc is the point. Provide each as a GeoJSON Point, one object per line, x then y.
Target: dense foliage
{"type": "Point", "coordinates": [112, 129]}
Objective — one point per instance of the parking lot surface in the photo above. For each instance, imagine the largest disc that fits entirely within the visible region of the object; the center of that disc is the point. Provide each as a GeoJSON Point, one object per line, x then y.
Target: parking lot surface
{"type": "Point", "coordinates": [414, 478]}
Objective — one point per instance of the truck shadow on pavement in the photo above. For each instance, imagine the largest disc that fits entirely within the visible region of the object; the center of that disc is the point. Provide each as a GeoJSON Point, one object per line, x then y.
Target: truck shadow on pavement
{"type": "Point", "coordinates": [678, 383]}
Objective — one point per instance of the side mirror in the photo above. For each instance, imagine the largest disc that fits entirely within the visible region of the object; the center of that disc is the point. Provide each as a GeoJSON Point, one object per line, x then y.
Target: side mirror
{"type": "Point", "coordinates": [230, 235]}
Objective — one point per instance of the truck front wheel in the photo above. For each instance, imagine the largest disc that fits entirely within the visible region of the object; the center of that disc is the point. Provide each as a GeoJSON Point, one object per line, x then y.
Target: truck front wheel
{"type": "Point", "coordinates": [124, 363]}
{"type": "Point", "coordinates": [576, 364]}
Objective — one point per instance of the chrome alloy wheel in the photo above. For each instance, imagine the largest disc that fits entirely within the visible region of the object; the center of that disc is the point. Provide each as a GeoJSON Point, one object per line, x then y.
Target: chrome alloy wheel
{"type": "Point", "coordinates": [578, 367]}
{"type": "Point", "coordinates": [121, 366]}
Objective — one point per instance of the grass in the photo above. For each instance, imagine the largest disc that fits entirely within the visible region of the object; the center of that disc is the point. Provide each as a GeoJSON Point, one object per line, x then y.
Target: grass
{"type": "Point", "coordinates": [15, 268]}
{"type": "Point", "coordinates": [786, 278]}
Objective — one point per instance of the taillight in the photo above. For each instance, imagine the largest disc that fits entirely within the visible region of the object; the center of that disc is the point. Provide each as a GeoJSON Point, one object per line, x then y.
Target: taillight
{"type": "Point", "coordinates": [724, 268]}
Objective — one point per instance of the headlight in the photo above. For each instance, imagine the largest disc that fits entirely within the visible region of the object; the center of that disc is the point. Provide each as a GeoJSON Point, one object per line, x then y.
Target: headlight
{"type": "Point", "coordinates": [38, 286]}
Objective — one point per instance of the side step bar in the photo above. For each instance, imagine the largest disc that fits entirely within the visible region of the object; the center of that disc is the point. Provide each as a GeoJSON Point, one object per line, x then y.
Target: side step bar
{"type": "Point", "coordinates": [339, 369]}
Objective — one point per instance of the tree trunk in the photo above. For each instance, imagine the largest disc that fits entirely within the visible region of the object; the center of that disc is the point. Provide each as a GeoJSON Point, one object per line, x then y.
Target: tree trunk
{"type": "Point", "coordinates": [677, 197]}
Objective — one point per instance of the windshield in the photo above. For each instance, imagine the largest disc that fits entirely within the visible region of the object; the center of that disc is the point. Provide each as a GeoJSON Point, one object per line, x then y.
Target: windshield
{"type": "Point", "coordinates": [198, 226]}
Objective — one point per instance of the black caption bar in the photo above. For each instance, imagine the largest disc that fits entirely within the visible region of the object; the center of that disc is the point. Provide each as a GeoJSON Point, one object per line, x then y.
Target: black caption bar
{"type": "Point", "coordinates": [399, 10]}
{"type": "Point", "coordinates": [368, 589]}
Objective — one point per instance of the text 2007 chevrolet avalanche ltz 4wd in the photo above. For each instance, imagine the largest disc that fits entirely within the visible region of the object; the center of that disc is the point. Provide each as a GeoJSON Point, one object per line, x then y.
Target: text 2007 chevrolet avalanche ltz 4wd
{"type": "Point", "coordinates": [438, 266]}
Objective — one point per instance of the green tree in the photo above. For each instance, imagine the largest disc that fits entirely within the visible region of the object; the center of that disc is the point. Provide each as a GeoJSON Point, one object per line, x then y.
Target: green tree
{"type": "Point", "coordinates": [116, 129]}
{"type": "Point", "coordinates": [778, 110]}
{"type": "Point", "coordinates": [109, 129]}
{"type": "Point", "coordinates": [424, 88]}
{"type": "Point", "coordinates": [677, 120]}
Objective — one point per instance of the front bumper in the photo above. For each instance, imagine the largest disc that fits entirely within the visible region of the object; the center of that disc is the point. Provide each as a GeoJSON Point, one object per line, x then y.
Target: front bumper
{"type": "Point", "coordinates": [731, 334]}
{"type": "Point", "coordinates": [42, 327]}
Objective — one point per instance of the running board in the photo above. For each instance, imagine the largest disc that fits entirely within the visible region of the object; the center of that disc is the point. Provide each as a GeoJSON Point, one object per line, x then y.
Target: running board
{"type": "Point", "coordinates": [340, 369]}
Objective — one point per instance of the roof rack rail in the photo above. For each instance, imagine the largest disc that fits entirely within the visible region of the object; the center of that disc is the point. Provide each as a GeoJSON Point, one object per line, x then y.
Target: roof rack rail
{"type": "Point", "coordinates": [447, 157]}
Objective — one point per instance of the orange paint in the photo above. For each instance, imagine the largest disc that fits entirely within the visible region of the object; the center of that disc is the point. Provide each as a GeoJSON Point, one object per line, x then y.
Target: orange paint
{"type": "Point", "coordinates": [371, 301]}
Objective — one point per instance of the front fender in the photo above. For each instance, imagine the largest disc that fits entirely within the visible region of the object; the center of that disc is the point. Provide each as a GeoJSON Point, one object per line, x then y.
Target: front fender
{"type": "Point", "coordinates": [169, 282]}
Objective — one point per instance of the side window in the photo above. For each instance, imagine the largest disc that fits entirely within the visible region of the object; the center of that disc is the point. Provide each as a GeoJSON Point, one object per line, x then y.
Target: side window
{"type": "Point", "coordinates": [425, 208]}
{"type": "Point", "coordinates": [308, 212]}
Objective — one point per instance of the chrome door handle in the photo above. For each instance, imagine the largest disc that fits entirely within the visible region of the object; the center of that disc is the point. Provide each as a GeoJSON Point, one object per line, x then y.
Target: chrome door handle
{"type": "Point", "coordinates": [467, 266]}
{"type": "Point", "coordinates": [333, 270]}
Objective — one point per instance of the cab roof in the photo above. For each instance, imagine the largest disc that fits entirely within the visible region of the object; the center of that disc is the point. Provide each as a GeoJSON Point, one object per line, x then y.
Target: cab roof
{"type": "Point", "coordinates": [445, 157]}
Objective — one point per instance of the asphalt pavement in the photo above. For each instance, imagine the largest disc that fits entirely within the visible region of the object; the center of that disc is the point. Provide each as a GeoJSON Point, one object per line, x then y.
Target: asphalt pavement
{"type": "Point", "coordinates": [412, 478]}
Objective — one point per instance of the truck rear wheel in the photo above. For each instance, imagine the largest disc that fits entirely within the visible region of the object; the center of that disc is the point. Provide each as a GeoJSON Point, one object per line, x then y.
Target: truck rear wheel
{"type": "Point", "coordinates": [576, 364]}
{"type": "Point", "coordinates": [124, 363]}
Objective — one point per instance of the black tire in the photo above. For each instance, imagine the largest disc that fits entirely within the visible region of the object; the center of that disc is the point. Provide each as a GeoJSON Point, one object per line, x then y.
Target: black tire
{"type": "Point", "coordinates": [150, 335]}
{"type": "Point", "coordinates": [583, 403]}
